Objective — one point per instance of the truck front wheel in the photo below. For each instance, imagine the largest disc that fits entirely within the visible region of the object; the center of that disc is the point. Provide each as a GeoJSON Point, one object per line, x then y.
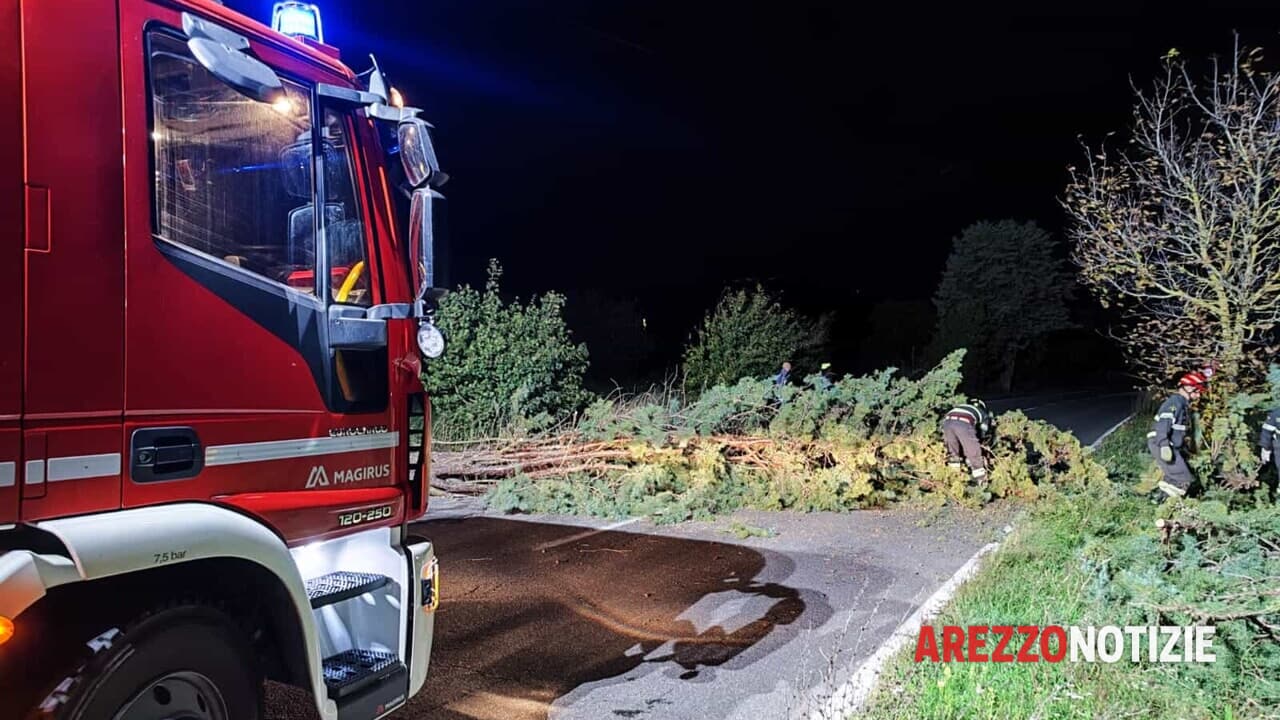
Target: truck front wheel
{"type": "Point", "coordinates": [183, 663]}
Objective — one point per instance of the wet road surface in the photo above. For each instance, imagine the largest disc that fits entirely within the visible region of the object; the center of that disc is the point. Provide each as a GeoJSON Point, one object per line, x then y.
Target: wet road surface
{"type": "Point", "coordinates": [578, 619]}
{"type": "Point", "coordinates": [544, 619]}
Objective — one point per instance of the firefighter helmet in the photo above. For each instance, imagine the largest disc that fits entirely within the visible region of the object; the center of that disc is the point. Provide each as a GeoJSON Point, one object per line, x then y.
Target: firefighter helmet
{"type": "Point", "coordinates": [1211, 368]}
{"type": "Point", "coordinates": [1193, 381]}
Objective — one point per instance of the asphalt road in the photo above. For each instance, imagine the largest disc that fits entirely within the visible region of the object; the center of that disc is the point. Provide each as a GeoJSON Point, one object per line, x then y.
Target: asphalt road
{"type": "Point", "coordinates": [542, 619]}
{"type": "Point", "coordinates": [573, 619]}
{"type": "Point", "coordinates": [1087, 416]}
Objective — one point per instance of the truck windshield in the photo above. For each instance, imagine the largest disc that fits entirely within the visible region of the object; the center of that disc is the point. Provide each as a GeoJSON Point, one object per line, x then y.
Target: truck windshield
{"type": "Point", "coordinates": [233, 177]}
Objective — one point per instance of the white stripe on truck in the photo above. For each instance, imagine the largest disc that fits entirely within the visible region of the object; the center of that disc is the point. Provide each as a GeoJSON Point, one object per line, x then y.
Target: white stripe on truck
{"type": "Point", "coordinates": [302, 447]}
{"type": "Point", "coordinates": [34, 473]}
{"type": "Point", "coordinates": [80, 467]}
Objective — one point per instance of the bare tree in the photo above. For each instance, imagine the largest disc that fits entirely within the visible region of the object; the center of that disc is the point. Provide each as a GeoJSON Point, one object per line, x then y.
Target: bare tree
{"type": "Point", "coordinates": [1181, 229]}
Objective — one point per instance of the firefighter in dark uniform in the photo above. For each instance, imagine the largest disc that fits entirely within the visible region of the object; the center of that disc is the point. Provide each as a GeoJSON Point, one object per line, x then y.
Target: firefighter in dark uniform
{"type": "Point", "coordinates": [964, 429]}
{"type": "Point", "coordinates": [1270, 433]}
{"type": "Point", "coordinates": [824, 380]}
{"type": "Point", "coordinates": [1166, 438]}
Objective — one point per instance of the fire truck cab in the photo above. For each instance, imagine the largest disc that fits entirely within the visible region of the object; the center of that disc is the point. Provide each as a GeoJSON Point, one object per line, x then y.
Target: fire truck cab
{"type": "Point", "coordinates": [213, 432]}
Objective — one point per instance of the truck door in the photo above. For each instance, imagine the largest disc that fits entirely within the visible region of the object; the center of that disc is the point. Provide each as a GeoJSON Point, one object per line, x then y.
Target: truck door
{"type": "Point", "coordinates": [11, 252]}
{"type": "Point", "coordinates": [234, 386]}
{"type": "Point", "coordinates": [73, 264]}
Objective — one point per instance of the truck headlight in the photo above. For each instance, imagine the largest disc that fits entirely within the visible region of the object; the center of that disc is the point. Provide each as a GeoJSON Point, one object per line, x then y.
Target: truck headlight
{"type": "Point", "coordinates": [430, 340]}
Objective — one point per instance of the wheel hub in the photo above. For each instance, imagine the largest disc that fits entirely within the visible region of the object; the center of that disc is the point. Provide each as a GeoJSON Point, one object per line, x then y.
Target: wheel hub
{"type": "Point", "coordinates": [182, 695]}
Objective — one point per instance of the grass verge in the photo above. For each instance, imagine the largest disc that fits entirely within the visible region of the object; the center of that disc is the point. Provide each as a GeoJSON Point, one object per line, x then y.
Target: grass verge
{"type": "Point", "coordinates": [1051, 571]}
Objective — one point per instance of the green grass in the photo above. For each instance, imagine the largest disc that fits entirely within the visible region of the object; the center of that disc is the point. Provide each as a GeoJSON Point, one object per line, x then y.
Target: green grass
{"type": "Point", "coordinates": [1045, 574]}
{"type": "Point", "coordinates": [1124, 452]}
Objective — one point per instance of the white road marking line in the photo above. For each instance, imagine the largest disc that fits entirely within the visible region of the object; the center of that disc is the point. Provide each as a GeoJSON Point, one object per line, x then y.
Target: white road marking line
{"type": "Point", "coordinates": [587, 534]}
{"type": "Point", "coordinates": [851, 696]}
{"type": "Point", "coordinates": [1098, 443]}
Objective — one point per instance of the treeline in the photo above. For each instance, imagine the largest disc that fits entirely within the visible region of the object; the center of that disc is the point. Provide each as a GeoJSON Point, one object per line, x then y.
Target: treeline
{"type": "Point", "coordinates": [515, 366]}
{"type": "Point", "coordinates": [520, 366]}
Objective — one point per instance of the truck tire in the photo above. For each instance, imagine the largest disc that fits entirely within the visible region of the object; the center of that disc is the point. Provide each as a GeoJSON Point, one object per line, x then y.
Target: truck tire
{"type": "Point", "coordinates": [188, 662]}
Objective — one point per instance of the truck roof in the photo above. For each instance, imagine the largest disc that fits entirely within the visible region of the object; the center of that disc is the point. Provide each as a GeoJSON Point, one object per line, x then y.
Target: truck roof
{"type": "Point", "coordinates": [248, 25]}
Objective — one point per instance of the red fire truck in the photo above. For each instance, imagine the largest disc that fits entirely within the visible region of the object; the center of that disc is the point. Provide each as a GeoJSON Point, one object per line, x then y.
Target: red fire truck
{"type": "Point", "coordinates": [212, 426]}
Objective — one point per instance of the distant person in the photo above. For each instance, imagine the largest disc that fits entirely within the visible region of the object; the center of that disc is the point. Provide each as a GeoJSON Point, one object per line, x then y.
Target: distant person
{"type": "Point", "coordinates": [1270, 433]}
{"type": "Point", "coordinates": [825, 379]}
{"type": "Point", "coordinates": [784, 375]}
{"type": "Point", "coordinates": [964, 430]}
{"type": "Point", "coordinates": [1167, 437]}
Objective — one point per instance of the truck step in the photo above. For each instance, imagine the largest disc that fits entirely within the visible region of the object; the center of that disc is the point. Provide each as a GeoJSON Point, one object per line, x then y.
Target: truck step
{"type": "Point", "coordinates": [342, 585]}
{"type": "Point", "coordinates": [349, 672]}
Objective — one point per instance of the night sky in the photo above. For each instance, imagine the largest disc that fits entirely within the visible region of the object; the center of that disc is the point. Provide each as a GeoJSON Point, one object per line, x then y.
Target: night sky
{"type": "Point", "coordinates": [659, 150]}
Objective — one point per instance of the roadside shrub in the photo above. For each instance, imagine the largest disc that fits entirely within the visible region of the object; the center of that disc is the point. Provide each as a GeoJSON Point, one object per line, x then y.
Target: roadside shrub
{"type": "Point", "coordinates": [749, 334]}
{"type": "Point", "coordinates": [508, 365]}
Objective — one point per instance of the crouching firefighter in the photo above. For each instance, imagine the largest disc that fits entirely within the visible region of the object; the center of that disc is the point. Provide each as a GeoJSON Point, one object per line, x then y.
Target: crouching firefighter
{"type": "Point", "coordinates": [1166, 439]}
{"type": "Point", "coordinates": [1270, 434]}
{"type": "Point", "coordinates": [964, 429]}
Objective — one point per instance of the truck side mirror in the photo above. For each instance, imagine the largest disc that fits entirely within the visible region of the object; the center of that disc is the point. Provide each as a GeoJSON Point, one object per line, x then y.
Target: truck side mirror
{"type": "Point", "coordinates": [417, 155]}
{"type": "Point", "coordinates": [422, 255]}
{"type": "Point", "coordinates": [422, 251]}
{"type": "Point", "coordinates": [222, 53]}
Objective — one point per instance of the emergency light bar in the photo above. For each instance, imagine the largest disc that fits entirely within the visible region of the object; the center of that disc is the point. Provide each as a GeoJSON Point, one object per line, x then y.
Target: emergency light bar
{"type": "Point", "coordinates": [297, 19]}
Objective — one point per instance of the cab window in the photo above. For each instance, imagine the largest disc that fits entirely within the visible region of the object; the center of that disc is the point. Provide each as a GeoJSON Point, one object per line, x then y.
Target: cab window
{"type": "Point", "coordinates": [344, 231]}
{"type": "Point", "coordinates": [227, 177]}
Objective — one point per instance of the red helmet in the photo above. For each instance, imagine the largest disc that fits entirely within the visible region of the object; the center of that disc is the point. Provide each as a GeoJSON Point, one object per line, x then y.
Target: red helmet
{"type": "Point", "coordinates": [1211, 368]}
{"type": "Point", "coordinates": [1194, 381]}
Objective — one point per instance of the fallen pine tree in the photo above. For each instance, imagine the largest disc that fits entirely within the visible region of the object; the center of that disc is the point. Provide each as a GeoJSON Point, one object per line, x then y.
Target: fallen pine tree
{"type": "Point", "coordinates": [866, 442]}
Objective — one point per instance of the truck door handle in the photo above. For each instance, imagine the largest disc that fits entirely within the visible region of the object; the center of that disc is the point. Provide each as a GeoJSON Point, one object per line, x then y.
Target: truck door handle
{"type": "Point", "coordinates": [168, 453]}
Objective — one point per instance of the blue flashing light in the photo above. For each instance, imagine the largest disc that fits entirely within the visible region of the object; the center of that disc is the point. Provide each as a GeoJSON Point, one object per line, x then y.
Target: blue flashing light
{"type": "Point", "coordinates": [297, 19]}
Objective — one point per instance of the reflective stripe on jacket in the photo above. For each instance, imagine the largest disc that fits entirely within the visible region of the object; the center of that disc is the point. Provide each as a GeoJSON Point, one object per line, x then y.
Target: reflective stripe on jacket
{"type": "Point", "coordinates": [974, 415]}
{"type": "Point", "coordinates": [1270, 429]}
{"type": "Point", "coordinates": [1171, 421]}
